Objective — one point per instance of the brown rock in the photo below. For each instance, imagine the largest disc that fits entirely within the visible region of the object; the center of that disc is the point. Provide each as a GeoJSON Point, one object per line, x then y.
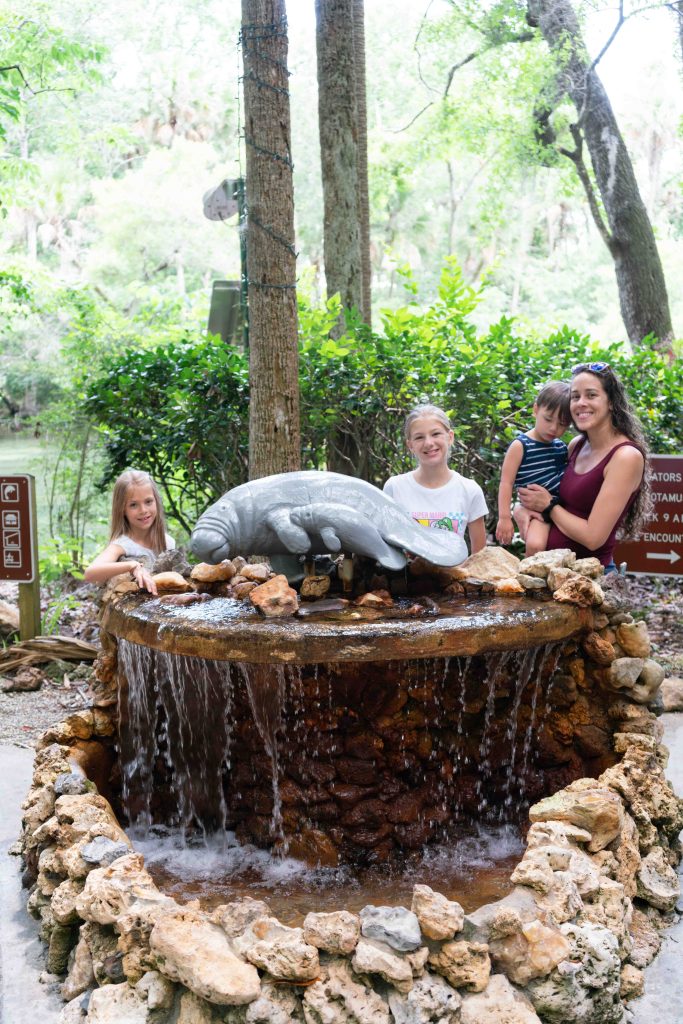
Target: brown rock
{"type": "Point", "coordinates": [632, 982]}
{"type": "Point", "coordinates": [601, 651]}
{"type": "Point", "coordinates": [580, 590]}
{"type": "Point", "coordinates": [275, 598]}
{"type": "Point", "coordinates": [242, 589]}
{"type": "Point", "coordinates": [645, 938]}
{"type": "Point", "coordinates": [314, 847]}
{"type": "Point", "coordinates": [592, 567]}
{"type": "Point", "coordinates": [591, 806]}
{"type": "Point", "coordinates": [508, 587]}
{"type": "Point", "coordinates": [9, 619]}
{"type": "Point", "coordinates": [314, 587]}
{"type": "Point", "coordinates": [542, 562]}
{"type": "Point", "coordinates": [205, 573]}
{"type": "Point", "coordinates": [439, 917]}
{"type": "Point", "coordinates": [492, 563]}
{"type": "Point", "coordinates": [672, 693]}
{"type": "Point", "coordinates": [258, 572]}
{"type": "Point", "coordinates": [171, 583]}
{"type": "Point", "coordinates": [25, 681]}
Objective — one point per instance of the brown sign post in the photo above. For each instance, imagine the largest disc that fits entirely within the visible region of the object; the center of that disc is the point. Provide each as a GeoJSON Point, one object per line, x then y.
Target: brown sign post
{"type": "Point", "coordinates": [19, 546]}
{"type": "Point", "coordinates": [659, 549]}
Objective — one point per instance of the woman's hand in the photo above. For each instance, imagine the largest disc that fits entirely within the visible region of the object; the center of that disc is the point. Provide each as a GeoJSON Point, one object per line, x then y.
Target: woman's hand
{"type": "Point", "coordinates": [144, 579]}
{"type": "Point", "coordinates": [534, 497]}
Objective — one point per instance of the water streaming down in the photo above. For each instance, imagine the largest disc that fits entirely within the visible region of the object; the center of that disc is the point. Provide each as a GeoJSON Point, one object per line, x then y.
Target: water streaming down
{"type": "Point", "coordinates": [366, 759]}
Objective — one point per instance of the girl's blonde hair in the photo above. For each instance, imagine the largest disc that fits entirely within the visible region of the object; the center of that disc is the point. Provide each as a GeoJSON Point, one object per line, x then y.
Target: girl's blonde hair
{"type": "Point", "coordinates": [418, 411]}
{"type": "Point", "coordinates": [120, 525]}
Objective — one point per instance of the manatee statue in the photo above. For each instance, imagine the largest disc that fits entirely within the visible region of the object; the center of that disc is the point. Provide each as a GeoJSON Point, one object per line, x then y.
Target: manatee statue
{"type": "Point", "coordinates": [314, 513]}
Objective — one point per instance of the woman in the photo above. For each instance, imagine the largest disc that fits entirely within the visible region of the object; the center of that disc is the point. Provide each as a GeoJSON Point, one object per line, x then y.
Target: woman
{"type": "Point", "coordinates": [605, 488]}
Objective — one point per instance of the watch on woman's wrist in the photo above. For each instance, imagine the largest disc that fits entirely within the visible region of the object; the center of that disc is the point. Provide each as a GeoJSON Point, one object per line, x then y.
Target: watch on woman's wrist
{"type": "Point", "coordinates": [549, 507]}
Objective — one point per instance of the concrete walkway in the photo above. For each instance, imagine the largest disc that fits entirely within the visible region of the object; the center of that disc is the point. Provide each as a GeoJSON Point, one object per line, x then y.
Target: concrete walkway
{"type": "Point", "coordinates": [662, 1002]}
{"type": "Point", "coordinates": [24, 1000]}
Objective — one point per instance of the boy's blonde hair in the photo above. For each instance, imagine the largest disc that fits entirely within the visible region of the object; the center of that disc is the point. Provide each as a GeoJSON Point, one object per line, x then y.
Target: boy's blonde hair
{"type": "Point", "coordinates": [120, 525]}
{"type": "Point", "coordinates": [555, 396]}
{"type": "Point", "coordinates": [418, 411]}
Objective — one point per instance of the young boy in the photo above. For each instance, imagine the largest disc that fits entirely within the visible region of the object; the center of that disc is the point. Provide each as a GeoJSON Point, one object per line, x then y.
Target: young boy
{"type": "Point", "coordinates": [535, 457]}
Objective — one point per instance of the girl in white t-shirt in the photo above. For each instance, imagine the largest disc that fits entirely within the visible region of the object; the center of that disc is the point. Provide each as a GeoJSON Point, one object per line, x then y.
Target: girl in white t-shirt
{"type": "Point", "coordinates": [434, 495]}
{"type": "Point", "coordinates": [137, 530]}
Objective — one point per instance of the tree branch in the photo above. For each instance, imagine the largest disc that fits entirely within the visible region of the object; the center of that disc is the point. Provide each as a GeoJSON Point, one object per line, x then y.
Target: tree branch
{"type": "Point", "coordinates": [16, 67]}
{"type": "Point", "coordinates": [576, 156]}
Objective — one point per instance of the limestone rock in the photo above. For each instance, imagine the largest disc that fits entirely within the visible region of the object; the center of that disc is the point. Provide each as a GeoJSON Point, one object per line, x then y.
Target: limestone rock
{"type": "Point", "coordinates": [193, 1010]}
{"type": "Point", "coordinates": [500, 1003]}
{"type": "Point", "coordinates": [63, 903]}
{"type": "Point", "coordinates": [555, 833]}
{"type": "Point", "coordinates": [439, 918]}
{"type": "Point", "coordinates": [584, 988]}
{"type": "Point", "coordinates": [191, 949]}
{"type": "Point", "coordinates": [102, 851]}
{"type": "Point", "coordinates": [396, 926]}
{"type": "Point", "coordinates": [658, 883]}
{"type": "Point", "coordinates": [645, 939]}
{"type": "Point", "coordinates": [592, 807]}
{"type": "Point", "coordinates": [62, 939]}
{"type": "Point", "coordinates": [89, 815]}
{"type": "Point", "coordinates": [542, 562]}
{"type": "Point", "coordinates": [157, 990]}
{"type": "Point", "coordinates": [531, 582]}
{"type": "Point", "coordinates": [336, 932]}
{"type": "Point", "coordinates": [430, 1001]}
{"type": "Point", "coordinates": [672, 693]}
{"type": "Point", "coordinates": [563, 901]}
{"type": "Point", "coordinates": [611, 907]}
{"type": "Point", "coordinates": [633, 637]}
{"type": "Point", "coordinates": [80, 974]}
{"type": "Point", "coordinates": [374, 957]}
{"type": "Point", "coordinates": [205, 573]}
{"type": "Point", "coordinates": [592, 567]}
{"type": "Point", "coordinates": [532, 952]}
{"type": "Point", "coordinates": [463, 964]}
{"type": "Point", "coordinates": [558, 576]}
{"type": "Point", "coordinates": [171, 583]}
{"type": "Point", "coordinates": [338, 998]}
{"type": "Point", "coordinates": [313, 587]}
{"type": "Point", "coordinates": [275, 1005]}
{"type": "Point", "coordinates": [108, 892]}
{"type": "Point", "coordinates": [492, 563]}
{"type": "Point", "coordinates": [234, 918]}
{"type": "Point", "coordinates": [649, 681]}
{"type": "Point", "coordinates": [275, 598]}
{"type": "Point", "coordinates": [624, 673]}
{"type": "Point", "coordinates": [492, 919]}
{"type": "Point", "coordinates": [579, 590]}
{"type": "Point", "coordinates": [72, 1013]}
{"type": "Point", "coordinates": [632, 982]}
{"type": "Point", "coordinates": [117, 1004]}
{"type": "Point", "coordinates": [282, 951]}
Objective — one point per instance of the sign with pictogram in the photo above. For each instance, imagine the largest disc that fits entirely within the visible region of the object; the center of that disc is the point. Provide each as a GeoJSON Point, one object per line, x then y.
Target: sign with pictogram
{"type": "Point", "coordinates": [659, 549]}
{"type": "Point", "coordinates": [17, 530]}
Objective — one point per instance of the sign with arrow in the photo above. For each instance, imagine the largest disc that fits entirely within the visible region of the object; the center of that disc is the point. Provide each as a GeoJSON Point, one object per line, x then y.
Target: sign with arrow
{"type": "Point", "coordinates": [659, 549]}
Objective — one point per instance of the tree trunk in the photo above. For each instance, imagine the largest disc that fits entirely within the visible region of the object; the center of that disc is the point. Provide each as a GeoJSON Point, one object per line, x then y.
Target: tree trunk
{"type": "Point", "coordinates": [363, 189]}
{"type": "Point", "coordinates": [274, 432]}
{"type": "Point", "coordinates": [628, 233]}
{"type": "Point", "coordinates": [338, 120]}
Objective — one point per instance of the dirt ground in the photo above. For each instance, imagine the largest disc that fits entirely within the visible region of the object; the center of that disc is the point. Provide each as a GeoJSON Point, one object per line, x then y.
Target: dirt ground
{"type": "Point", "coordinates": [24, 716]}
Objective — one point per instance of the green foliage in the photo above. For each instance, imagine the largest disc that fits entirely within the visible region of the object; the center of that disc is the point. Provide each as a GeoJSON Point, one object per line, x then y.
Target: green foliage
{"type": "Point", "coordinates": [180, 411]}
{"type": "Point", "coordinates": [57, 558]}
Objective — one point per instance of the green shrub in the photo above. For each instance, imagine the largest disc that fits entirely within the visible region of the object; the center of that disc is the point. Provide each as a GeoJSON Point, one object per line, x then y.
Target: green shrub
{"type": "Point", "coordinates": [181, 411]}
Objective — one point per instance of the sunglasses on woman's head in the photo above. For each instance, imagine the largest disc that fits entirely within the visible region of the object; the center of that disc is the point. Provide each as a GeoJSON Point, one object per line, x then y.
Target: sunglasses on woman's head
{"type": "Point", "coordinates": [590, 368]}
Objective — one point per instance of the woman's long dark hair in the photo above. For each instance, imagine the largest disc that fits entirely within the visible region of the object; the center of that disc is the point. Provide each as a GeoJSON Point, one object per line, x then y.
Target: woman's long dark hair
{"type": "Point", "coordinates": [625, 421]}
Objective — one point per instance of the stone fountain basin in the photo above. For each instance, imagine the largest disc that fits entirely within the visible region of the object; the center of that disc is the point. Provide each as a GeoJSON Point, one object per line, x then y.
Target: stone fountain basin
{"type": "Point", "coordinates": [226, 630]}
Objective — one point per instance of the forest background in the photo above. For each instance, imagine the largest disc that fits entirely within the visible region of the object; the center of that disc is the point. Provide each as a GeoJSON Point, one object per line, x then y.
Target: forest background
{"type": "Point", "coordinates": [489, 275]}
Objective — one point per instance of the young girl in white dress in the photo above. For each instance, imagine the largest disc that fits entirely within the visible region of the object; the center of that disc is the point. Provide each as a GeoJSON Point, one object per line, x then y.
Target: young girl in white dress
{"type": "Point", "coordinates": [435, 495]}
{"type": "Point", "coordinates": [137, 530]}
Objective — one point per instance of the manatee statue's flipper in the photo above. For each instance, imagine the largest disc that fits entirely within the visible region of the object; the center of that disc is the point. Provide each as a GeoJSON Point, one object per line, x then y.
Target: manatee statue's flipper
{"type": "Point", "coordinates": [332, 542]}
{"type": "Point", "coordinates": [352, 529]}
{"type": "Point", "coordinates": [437, 546]}
{"type": "Point", "coordinates": [290, 534]}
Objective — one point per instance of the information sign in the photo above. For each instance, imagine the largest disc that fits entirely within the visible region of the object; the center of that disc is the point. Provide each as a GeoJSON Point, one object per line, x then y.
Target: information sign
{"type": "Point", "coordinates": [659, 549]}
{"type": "Point", "coordinates": [17, 533]}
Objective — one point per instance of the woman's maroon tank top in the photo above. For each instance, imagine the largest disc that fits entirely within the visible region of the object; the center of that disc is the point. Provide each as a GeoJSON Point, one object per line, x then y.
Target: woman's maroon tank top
{"type": "Point", "coordinates": [578, 492]}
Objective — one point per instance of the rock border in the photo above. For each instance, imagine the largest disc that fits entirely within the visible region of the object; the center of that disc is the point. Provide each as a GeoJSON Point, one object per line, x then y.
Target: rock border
{"type": "Point", "coordinates": [596, 883]}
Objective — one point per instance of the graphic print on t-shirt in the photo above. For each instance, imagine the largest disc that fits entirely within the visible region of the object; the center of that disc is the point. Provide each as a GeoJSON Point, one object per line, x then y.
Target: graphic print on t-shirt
{"type": "Point", "coordinates": [455, 522]}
